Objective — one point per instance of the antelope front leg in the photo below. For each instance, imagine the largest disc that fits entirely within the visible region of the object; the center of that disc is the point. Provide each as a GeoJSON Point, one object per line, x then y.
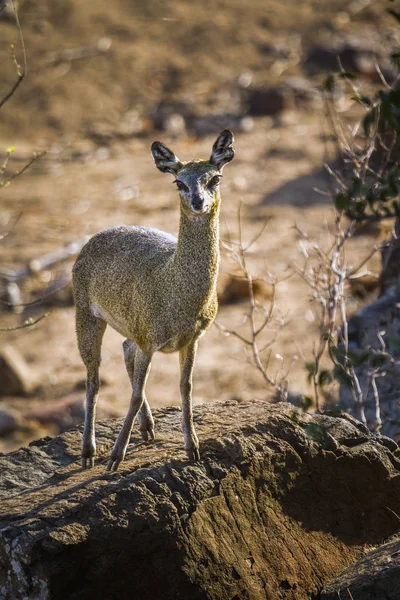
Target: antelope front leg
{"type": "Point", "coordinates": [142, 367]}
{"type": "Point", "coordinates": [186, 359]}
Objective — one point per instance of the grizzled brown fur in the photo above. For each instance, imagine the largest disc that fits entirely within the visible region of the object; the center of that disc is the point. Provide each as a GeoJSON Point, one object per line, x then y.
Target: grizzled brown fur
{"type": "Point", "coordinates": [157, 291]}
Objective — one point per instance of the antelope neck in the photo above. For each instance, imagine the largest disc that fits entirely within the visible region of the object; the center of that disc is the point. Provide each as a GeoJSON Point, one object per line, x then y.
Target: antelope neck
{"type": "Point", "coordinates": [196, 258]}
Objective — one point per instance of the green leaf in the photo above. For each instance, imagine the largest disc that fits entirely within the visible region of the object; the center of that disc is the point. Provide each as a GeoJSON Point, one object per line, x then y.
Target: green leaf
{"type": "Point", "coordinates": [364, 100]}
{"type": "Point", "coordinates": [368, 120]}
{"type": "Point", "coordinates": [394, 14]}
{"type": "Point", "coordinates": [395, 58]}
{"type": "Point", "coordinates": [367, 125]}
{"type": "Point", "coordinates": [346, 75]}
{"type": "Point", "coordinates": [325, 377]}
{"type": "Point", "coordinates": [358, 357]}
{"type": "Point", "coordinates": [305, 403]}
{"type": "Point", "coordinates": [394, 121]}
{"type": "Point", "coordinates": [342, 201]}
{"type": "Point", "coordinates": [311, 369]}
{"type": "Point", "coordinates": [342, 376]}
{"type": "Point", "coordinates": [360, 207]}
{"type": "Point", "coordinates": [395, 343]}
{"type": "Point", "coordinates": [356, 187]}
{"type": "Point", "coordinates": [383, 95]}
{"type": "Point", "coordinates": [329, 83]}
{"type": "Point", "coordinates": [379, 359]}
{"type": "Point", "coordinates": [370, 197]}
{"type": "Point", "coordinates": [334, 350]}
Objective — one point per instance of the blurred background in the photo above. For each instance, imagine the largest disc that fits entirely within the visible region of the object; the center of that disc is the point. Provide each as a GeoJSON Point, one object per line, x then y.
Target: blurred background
{"type": "Point", "coordinates": [103, 81]}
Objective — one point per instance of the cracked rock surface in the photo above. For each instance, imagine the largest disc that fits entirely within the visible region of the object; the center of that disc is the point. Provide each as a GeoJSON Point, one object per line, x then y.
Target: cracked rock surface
{"type": "Point", "coordinates": [376, 575]}
{"type": "Point", "coordinates": [280, 503]}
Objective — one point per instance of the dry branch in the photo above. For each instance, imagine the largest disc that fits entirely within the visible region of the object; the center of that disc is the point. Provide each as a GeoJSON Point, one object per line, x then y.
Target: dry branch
{"type": "Point", "coordinates": [12, 279]}
{"type": "Point", "coordinates": [28, 323]}
{"type": "Point", "coordinates": [42, 263]}
{"type": "Point", "coordinates": [238, 251]}
{"type": "Point", "coordinates": [21, 71]}
{"type": "Point", "coordinates": [56, 58]}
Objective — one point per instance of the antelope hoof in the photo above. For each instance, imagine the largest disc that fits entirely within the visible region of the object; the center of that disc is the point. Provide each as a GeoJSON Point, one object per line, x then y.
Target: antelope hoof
{"type": "Point", "coordinates": [113, 465]}
{"type": "Point", "coordinates": [117, 456]}
{"type": "Point", "coordinates": [87, 462]}
{"type": "Point", "coordinates": [88, 454]}
{"type": "Point", "coordinates": [148, 434]}
{"type": "Point", "coordinates": [193, 454]}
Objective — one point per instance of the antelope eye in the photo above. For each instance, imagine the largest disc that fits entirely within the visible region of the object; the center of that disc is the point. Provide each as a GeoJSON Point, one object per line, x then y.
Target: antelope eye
{"type": "Point", "coordinates": [181, 186]}
{"type": "Point", "coordinates": [214, 181]}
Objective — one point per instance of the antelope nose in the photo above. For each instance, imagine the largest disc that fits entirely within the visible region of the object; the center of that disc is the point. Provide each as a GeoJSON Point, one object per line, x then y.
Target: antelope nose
{"type": "Point", "coordinates": [197, 202]}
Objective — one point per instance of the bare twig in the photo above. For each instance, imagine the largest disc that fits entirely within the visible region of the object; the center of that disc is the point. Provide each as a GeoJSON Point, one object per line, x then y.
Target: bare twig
{"type": "Point", "coordinates": [39, 300]}
{"type": "Point", "coordinates": [326, 271]}
{"type": "Point", "coordinates": [352, 274]}
{"type": "Point", "coordinates": [21, 71]}
{"type": "Point", "coordinates": [378, 420]}
{"type": "Point", "coordinates": [55, 58]}
{"type": "Point", "coordinates": [29, 323]}
{"type": "Point", "coordinates": [36, 156]}
{"type": "Point", "coordinates": [238, 250]}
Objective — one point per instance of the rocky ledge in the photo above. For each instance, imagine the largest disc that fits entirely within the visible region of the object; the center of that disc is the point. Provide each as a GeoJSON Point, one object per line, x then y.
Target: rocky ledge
{"type": "Point", "coordinates": [280, 504]}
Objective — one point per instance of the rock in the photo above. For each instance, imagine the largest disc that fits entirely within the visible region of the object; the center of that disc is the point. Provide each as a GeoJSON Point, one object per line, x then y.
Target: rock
{"type": "Point", "coordinates": [390, 274]}
{"type": "Point", "coordinates": [266, 101]}
{"type": "Point", "coordinates": [303, 92]}
{"type": "Point", "coordinates": [16, 376]}
{"type": "Point", "coordinates": [222, 111]}
{"type": "Point", "coordinates": [281, 51]}
{"type": "Point", "coordinates": [355, 55]}
{"type": "Point", "coordinates": [8, 422]}
{"type": "Point", "coordinates": [130, 124]}
{"type": "Point", "coordinates": [7, 10]}
{"type": "Point", "coordinates": [375, 576]}
{"type": "Point", "coordinates": [324, 57]}
{"type": "Point", "coordinates": [58, 292]}
{"type": "Point", "coordinates": [202, 125]}
{"type": "Point", "coordinates": [174, 125]}
{"type": "Point", "coordinates": [383, 317]}
{"type": "Point", "coordinates": [236, 289]}
{"type": "Point", "coordinates": [279, 504]}
{"type": "Point", "coordinates": [166, 114]}
{"type": "Point", "coordinates": [62, 413]}
{"type": "Point", "coordinates": [364, 286]}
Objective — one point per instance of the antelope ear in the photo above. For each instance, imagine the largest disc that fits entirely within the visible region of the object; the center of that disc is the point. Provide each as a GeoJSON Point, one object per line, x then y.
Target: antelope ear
{"type": "Point", "coordinates": [222, 151]}
{"type": "Point", "coordinates": [165, 160]}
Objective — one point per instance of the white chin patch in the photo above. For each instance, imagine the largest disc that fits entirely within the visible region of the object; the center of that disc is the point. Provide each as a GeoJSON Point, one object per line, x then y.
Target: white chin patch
{"type": "Point", "coordinates": [199, 212]}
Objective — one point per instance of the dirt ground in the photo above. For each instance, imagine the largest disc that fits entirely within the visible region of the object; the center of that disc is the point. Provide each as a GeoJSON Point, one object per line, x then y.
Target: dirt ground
{"type": "Point", "coordinates": [94, 176]}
